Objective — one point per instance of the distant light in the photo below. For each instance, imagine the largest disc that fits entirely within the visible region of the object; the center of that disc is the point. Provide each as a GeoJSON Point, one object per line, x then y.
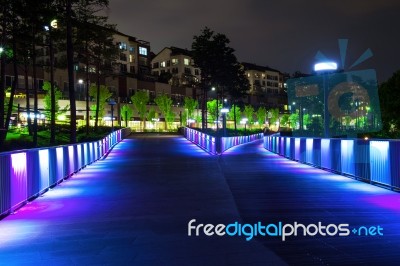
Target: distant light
{"type": "Point", "coordinates": [224, 110]}
{"type": "Point", "coordinates": [325, 66]}
{"type": "Point", "coordinates": [80, 81]}
{"type": "Point", "coordinates": [213, 88]}
{"type": "Point", "coordinates": [54, 23]}
{"type": "Point", "coordinates": [62, 117]}
{"type": "Point", "coordinates": [366, 138]}
{"type": "Point", "coordinates": [1, 50]}
{"type": "Point", "coordinates": [46, 28]}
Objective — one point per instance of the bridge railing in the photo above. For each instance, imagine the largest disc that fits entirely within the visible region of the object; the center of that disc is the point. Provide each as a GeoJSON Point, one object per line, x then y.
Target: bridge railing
{"type": "Point", "coordinates": [217, 145]}
{"type": "Point", "coordinates": [373, 161]}
{"type": "Point", "coordinates": [26, 174]}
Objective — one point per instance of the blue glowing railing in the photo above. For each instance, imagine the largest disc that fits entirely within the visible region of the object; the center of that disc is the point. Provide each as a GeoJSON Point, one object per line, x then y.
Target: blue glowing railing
{"type": "Point", "coordinates": [229, 142]}
{"type": "Point", "coordinates": [26, 174]}
{"type": "Point", "coordinates": [374, 161]}
{"type": "Point", "coordinates": [217, 145]}
{"type": "Point", "coordinates": [206, 142]}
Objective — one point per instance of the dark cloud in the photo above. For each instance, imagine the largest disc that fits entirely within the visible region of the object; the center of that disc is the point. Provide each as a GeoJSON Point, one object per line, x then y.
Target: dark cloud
{"type": "Point", "coordinates": [282, 34]}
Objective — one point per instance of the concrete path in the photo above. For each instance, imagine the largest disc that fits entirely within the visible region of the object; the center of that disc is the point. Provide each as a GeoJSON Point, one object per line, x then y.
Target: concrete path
{"type": "Point", "coordinates": [133, 208]}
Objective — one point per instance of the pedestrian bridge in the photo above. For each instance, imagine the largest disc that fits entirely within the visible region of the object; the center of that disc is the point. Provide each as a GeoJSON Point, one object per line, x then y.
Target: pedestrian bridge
{"type": "Point", "coordinates": [134, 207]}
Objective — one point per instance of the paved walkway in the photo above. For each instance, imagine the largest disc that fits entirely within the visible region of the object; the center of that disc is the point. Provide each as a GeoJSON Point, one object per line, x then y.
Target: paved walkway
{"type": "Point", "coordinates": [133, 208]}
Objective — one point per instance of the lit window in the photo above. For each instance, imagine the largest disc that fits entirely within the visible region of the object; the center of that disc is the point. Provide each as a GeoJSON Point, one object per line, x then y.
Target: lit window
{"type": "Point", "coordinates": [122, 46]}
{"type": "Point", "coordinates": [163, 64]}
{"type": "Point", "coordinates": [186, 61]}
{"type": "Point", "coordinates": [132, 49]}
{"type": "Point", "coordinates": [174, 61]}
{"type": "Point", "coordinates": [142, 50]}
{"type": "Point", "coordinates": [131, 58]}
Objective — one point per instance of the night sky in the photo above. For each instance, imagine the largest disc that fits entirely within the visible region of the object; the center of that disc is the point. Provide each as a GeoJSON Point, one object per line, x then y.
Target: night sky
{"type": "Point", "coordinates": [285, 35]}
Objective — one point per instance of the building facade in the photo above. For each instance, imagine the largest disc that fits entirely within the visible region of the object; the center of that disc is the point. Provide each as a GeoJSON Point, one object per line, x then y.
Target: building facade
{"type": "Point", "coordinates": [266, 87]}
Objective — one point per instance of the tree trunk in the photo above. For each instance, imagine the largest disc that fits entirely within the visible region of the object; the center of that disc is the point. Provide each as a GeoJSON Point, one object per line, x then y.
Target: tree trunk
{"type": "Point", "coordinates": [87, 89]}
{"type": "Point", "coordinates": [234, 117]}
{"type": "Point", "coordinates": [97, 98]}
{"type": "Point", "coordinates": [204, 109]}
{"type": "Point", "coordinates": [52, 92]}
{"type": "Point", "coordinates": [28, 111]}
{"type": "Point", "coordinates": [15, 83]}
{"type": "Point", "coordinates": [70, 62]}
{"type": "Point", "coordinates": [35, 87]}
{"type": "Point", "coordinates": [3, 77]}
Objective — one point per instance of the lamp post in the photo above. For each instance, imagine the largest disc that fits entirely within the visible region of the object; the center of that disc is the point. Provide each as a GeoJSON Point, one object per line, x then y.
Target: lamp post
{"type": "Point", "coordinates": [244, 122]}
{"type": "Point", "coordinates": [224, 110]}
{"type": "Point", "coordinates": [112, 102]}
{"type": "Point", "coordinates": [325, 68]}
{"type": "Point", "coordinates": [53, 25]}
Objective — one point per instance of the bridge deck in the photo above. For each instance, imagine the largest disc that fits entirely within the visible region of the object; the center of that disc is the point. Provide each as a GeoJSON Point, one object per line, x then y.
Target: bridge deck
{"type": "Point", "coordinates": [134, 208]}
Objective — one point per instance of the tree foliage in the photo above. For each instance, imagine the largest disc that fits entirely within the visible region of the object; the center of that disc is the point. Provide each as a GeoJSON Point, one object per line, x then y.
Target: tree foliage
{"type": "Point", "coordinates": [140, 100]}
{"type": "Point", "coordinates": [273, 115]}
{"type": "Point", "coordinates": [249, 113]}
{"type": "Point", "coordinates": [261, 115]}
{"type": "Point", "coordinates": [233, 113]}
{"type": "Point", "coordinates": [126, 113]}
{"type": "Point", "coordinates": [164, 103]}
{"type": "Point", "coordinates": [47, 101]}
{"type": "Point", "coordinates": [212, 109]}
{"type": "Point", "coordinates": [390, 105]}
{"type": "Point", "coordinates": [104, 95]}
{"type": "Point", "coordinates": [219, 67]}
{"type": "Point", "coordinates": [190, 104]}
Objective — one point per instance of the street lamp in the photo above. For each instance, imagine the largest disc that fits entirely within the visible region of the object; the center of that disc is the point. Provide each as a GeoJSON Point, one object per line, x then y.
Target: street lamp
{"type": "Point", "coordinates": [112, 102]}
{"type": "Point", "coordinates": [325, 68]}
{"type": "Point", "coordinates": [224, 111]}
{"type": "Point", "coordinates": [244, 122]}
{"type": "Point", "coordinates": [53, 25]}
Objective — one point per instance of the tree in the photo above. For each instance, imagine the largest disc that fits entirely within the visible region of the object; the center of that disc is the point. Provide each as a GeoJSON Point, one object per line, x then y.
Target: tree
{"type": "Point", "coordinates": [306, 120]}
{"type": "Point", "coordinates": [235, 114]}
{"type": "Point", "coordinates": [48, 101]}
{"type": "Point", "coordinates": [261, 115]}
{"type": "Point", "coordinates": [293, 120]}
{"type": "Point", "coordinates": [212, 109]}
{"type": "Point", "coordinates": [164, 103]}
{"type": "Point", "coordinates": [190, 104]}
{"type": "Point", "coordinates": [219, 67]}
{"type": "Point", "coordinates": [273, 115]}
{"type": "Point", "coordinates": [126, 113]}
{"type": "Point", "coordinates": [104, 95]}
{"type": "Point", "coordinates": [152, 114]}
{"type": "Point", "coordinates": [284, 120]}
{"type": "Point", "coordinates": [140, 100]}
{"type": "Point", "coordinates": [390, 105]}
{"type": "Point", "coordinates": [249, 112]}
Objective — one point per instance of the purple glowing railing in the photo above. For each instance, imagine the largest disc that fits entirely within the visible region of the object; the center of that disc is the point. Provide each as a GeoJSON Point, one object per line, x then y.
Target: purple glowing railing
{"type": "Point", "coordinates": [373, 161]}
{"type": "Point", "coordinates": [27, 174]}
{"type": "Point", "coordinates": [205, 141]}
{"type": "Point", "coordinates": [217, 145]}
{"type": "Point", "coordinates": [229, 142]}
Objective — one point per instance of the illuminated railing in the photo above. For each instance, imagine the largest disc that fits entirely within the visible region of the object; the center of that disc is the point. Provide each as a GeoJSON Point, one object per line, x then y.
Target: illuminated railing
{"type": "Point", "coordinates": [26, 174]}
{"type": "Point", "coordinates": [229, 142]}
{"type": "Point", "coordinates": [373, 161]}
{"type": "Point", "coordinates": [206, 142]}
{"type": "Point", "coordinates": [217, 145]}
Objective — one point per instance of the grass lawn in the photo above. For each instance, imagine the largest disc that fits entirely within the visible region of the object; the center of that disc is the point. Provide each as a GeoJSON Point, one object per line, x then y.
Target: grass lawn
{"type": "Point", "coordinates": [18, 139]}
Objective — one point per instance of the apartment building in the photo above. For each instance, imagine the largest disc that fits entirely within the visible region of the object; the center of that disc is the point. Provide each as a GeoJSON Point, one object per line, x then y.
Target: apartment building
{"type": "Point", "coordinates": [266, 86]}
{"type": "Point", "coordinates": [179, 63]}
